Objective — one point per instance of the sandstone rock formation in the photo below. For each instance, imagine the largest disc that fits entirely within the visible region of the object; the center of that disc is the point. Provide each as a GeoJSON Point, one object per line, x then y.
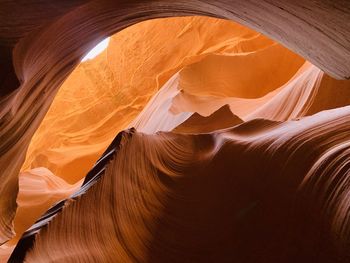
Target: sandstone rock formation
{"type": "Point", "coordinates": [240, 151]}
{"type": "Point", "coordinates": [214, 197]}
{"type": "Point", "coordinates": [39, 190]}
{"type": "Point", "coordinates": [101, 97]}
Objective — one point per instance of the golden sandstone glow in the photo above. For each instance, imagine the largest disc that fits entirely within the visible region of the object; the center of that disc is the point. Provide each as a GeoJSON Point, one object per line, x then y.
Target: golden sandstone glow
{"type": "Point", "coordinates": [171, 78]}
{"type": "Point", "coordinates": [101, 97]}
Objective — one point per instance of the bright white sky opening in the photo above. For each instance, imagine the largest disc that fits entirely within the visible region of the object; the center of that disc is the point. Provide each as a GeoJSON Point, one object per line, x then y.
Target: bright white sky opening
{"type": "Point", "coordinates": [96, 50]}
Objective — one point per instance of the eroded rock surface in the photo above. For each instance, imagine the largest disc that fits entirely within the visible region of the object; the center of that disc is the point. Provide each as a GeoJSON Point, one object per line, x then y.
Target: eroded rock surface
{"type": "Point", "coordinates": [241, 149]}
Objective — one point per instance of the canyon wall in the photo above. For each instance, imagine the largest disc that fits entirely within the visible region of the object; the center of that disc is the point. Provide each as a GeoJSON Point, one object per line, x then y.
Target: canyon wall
{"type": "Point", "coordinates": [41, 43]}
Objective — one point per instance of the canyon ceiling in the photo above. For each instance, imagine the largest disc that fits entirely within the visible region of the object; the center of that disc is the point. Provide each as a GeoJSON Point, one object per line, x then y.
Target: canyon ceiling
{"type": "Point", "coordinates": [222, 128]}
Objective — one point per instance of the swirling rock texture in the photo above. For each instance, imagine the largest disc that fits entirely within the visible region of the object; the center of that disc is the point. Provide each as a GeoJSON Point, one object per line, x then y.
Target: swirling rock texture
{"type": "Point", "coordinates": [39, 189]}
{"type": "Point", "coordinates": [101, 97]}
{"type": "Point", "coordinates": [241, 147]}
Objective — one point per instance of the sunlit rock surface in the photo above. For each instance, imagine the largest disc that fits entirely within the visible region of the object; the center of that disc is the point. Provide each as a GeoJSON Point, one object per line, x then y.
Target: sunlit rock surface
{"type": "Point", "coordinates": [39, 190]}
{"type": "Point", "coordinates": [240, 151]}
{"type": "Point", "coordinates": [102, 96]}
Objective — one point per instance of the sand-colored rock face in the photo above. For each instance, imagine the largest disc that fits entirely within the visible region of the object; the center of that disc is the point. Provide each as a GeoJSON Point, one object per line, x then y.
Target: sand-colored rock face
{"type": "Point", "coordinates": [39, 190]}
{"type": "Point", "coordinates": [222, 117]}
{"type": "Point", "coordinates": [246, 74]}
{"type": "Point", "coordinates": [102, 96]}
{"type": "Point", "coordinates": [41, 43]}
{"type": "Point", "coordinates": [241, 151]}
{"type": "Point", "coordinates": [169, 197]}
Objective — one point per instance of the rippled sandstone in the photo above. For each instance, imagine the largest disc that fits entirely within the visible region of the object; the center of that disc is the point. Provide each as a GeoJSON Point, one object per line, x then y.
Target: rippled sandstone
{"type": "Point", "coordinates": [196, 89]}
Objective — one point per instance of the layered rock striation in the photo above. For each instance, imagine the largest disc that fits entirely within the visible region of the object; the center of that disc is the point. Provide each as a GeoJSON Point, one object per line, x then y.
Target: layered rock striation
{"type": "Point", "coordinates": [235, 149]}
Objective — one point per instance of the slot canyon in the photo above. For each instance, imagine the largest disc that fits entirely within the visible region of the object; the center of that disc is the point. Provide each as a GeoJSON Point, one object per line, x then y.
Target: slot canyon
{"type": "Point", "coordinates": [175, 131]}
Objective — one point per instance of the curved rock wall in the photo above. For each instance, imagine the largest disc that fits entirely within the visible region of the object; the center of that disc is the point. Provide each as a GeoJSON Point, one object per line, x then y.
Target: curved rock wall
{"type": "Point", "coordinates": [42, 42]}
{"type": "Point", "coordinates": [101, 97]}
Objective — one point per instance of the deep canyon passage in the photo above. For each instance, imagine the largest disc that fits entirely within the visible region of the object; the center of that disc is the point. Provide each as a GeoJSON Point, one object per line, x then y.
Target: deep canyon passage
{"type": "Point", "coordinates": [203, 131]}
